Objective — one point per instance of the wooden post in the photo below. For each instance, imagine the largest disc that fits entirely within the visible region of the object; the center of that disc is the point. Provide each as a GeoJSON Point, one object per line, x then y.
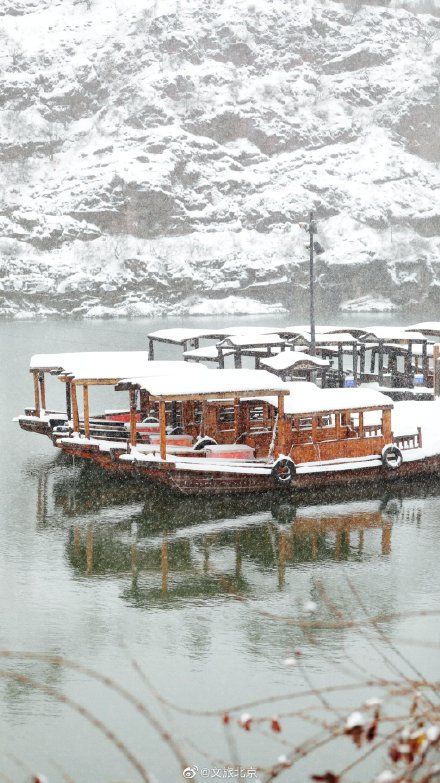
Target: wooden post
{"type": "Point", "coordinates": [36, 393]}
{"type": "Point", "coordinates": [281, 425]}
{"type": "Point", "coordinates": [150, 349]}
{"type": "Point", "coordinates": [386, 425]}
{"type": "Point", "coordinates": [133, 417]}
{"type": "Point", "coordinates": [163, 430]}
{"type": "Point", "coordinates": [362, 362]}
{"type": "Point", "coordinates": [204, 417]}
{"type": "Point", "coordinates": [338, 426]}
{"type": "Point", "coordinates": [68, 401]}
{"type": "Point", "coordinates": [355, 362]}
{"type": "Point", "coordinates": [436, 368]}
{"type": "Point", "coordinates": [425, 363]}
{"type": "Point", "coordinates": [174, 414]}
{"type": "Point", "coordinates": [361, 424]}
{"type": "Point", "coordinates": [75, 413]}
{"type": "Point", "coordinates": [380, 368]}
{"type": "Point", "coordinates": [409, 380]}
{"type": "Point", "coordinates": [42, 383]}
{"type": "Point", "coordinates": [221, 359]}
{"type": "Point", "coordinates": [237, 418]}
{"type": "Point", "coordinates": [340, 365]}
{"type": "Point", "coordinates": [144, 403]}
{"type": "Point", "coordinates": [237, 359]}
{"type": "Point", "coordinates": [86, 410]}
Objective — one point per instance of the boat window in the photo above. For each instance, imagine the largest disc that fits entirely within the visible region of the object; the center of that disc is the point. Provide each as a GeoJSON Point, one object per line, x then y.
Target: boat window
{"type": "Point", "coordinates": [306, 423]}
{"type": "Point", "coordinates": [226, 414]}
{"type": "Point", "coordinates": [256, 413]}
{"type": "Point", "coordinates": [328, 420]}
{"type": "Point", "coordinates": [354, 420]}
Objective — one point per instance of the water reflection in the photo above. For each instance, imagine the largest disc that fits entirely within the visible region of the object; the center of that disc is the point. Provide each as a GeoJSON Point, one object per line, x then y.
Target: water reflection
{"type": "Point", "coordinates": [183, 549]}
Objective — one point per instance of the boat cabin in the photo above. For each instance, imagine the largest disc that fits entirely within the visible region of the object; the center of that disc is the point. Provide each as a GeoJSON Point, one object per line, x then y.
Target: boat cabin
{"type": "Point", "coordinates": [254, 345]}
{"type": "Point", "coordinates": [297, 419]}
{"type": "Point", "coordinates": [296, 365]}
{"type": "Point", "coordinates": [396, 356]}
{"type": "Point", "coordinates": [188, 339]}
{"type": "Point", "coordinates": [225, 407]}
{"type": "Point", "coordinates": [332, 345]}
{"type": "Point", "coordinates": [331, 424]}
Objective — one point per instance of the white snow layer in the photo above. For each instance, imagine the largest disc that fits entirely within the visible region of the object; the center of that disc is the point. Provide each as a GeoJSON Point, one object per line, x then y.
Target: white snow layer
{"type": "Point", "coordinates": [157, 157]}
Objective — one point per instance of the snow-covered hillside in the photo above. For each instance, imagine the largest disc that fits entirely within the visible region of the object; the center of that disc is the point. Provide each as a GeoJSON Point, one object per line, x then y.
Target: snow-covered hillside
{"type": "Point", "coordinates": [156, 154]}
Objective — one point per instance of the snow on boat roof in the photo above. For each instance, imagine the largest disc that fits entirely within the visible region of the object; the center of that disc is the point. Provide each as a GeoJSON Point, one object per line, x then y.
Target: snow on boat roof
{"type": "Point", "coordinates": [111, 368]}
{"type": "Point", "coordinates": [307, 399]}
{"type": "Point", "coordinates": [301, 328]}
{"type": "Point", "coordinates": [326, 338]}
{"type": "Point", "coordinates": [286, 359]}
{"type": "Point", "coordinates": [56, 362]}
{"type": "Point", "coordinates": [336, 400]}
{"type": "Point", "coordinates": [431, 328]}
{"type": "Point", "coordinates": [391, 333]}
{"type": "Point", "coordinates": [208, 352]}
{"type": "Point", "coordinates": [214, 383]}
{"type": "Point", "coordinates": [244, 340]}
{"type": "Point", "coordinates": [179, 336]}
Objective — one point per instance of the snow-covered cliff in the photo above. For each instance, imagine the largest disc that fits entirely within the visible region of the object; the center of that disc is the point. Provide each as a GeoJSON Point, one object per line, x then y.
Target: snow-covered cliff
{"type": "Point", "coordinates": [158, 153]}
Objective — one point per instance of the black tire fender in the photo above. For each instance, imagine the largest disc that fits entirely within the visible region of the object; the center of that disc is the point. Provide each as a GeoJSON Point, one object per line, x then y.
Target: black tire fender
{"type": "Point", "coordinates": [284, 471]}
{"type": "Point", "coordinates": [391, 457]}
{"type": "Point", "coordinates": [203, 442]}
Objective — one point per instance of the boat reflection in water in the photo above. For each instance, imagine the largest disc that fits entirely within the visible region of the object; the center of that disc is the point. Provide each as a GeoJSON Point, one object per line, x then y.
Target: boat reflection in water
{"type": "Point", "coordinates": [178, 549]}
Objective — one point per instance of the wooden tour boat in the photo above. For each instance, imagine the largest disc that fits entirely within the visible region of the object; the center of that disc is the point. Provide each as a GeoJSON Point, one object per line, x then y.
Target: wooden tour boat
{"type": "Point", "coordinates": [83, 370]}
{"type": "Point", "coordinates": [246, 431]}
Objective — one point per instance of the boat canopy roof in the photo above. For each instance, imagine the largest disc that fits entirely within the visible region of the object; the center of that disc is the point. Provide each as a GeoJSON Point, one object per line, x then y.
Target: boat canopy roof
{"type": "Point", "coordinates": [251, 340]}
{"type": "Point", "coordinates": [394, 334]}
{"type": "Point", "coordinates": [57, 362]}
{"type": "Point", "coordinates": [328, 338]}
{"type": "Point", "coordinates": [219, 384]}
{"type": "Point", "coordinates": [291, 331]}
{"type": "Point", "coordinates": [308, 399]}
{"type": "Point", "coordinates": [430, 328]}
{"type": "Point", "coordinates": [208, 352]}
{"type": "Point", "coordinates": [108, 369]}
{"type": "Point", "coordinates": [287, 359]}
{"type": "Point", "coordinates": [180, 336]}
{"type": "Point", "coordinates": [329, 400]}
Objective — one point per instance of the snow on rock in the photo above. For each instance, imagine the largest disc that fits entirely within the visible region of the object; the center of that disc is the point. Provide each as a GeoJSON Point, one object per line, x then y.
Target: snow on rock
{"type": "Point", "coordinates": [368, 304]}
{"type": "Point", "coordinates": [159, 155]}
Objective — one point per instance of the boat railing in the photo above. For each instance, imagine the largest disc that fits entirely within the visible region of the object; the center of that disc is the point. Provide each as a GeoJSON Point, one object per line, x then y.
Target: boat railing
{"type": "Point", "coordinates": [106, 430]}
{"type": "Point", "coordinates": [372, 430]}
{"type": "Point", "coordinates": [412, 441]}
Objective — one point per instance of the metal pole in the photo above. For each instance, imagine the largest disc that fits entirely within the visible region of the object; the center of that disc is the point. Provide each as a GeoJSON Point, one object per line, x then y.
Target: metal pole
{"type": "Point", "coordinates": [312, 231]}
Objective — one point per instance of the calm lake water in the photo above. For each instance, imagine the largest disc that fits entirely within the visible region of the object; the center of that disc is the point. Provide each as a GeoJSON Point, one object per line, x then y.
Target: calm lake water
{"type": "Point", "coordinates": [106, 574]}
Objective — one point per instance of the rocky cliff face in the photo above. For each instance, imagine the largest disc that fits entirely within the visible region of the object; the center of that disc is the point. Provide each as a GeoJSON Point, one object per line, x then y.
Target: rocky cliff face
{"type": "Point", "coordinates": [155, 155]}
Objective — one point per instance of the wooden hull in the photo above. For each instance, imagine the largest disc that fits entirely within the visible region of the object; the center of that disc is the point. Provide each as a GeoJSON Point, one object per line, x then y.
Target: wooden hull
{"type": "Point", "coordinates": [104, 459]}
{"type": "Point", "coordinates": [215, 482]}
{"type": "Point", "coordinates": [36, 425]}
{"type": "Point", "coordinates": [189, 482]}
